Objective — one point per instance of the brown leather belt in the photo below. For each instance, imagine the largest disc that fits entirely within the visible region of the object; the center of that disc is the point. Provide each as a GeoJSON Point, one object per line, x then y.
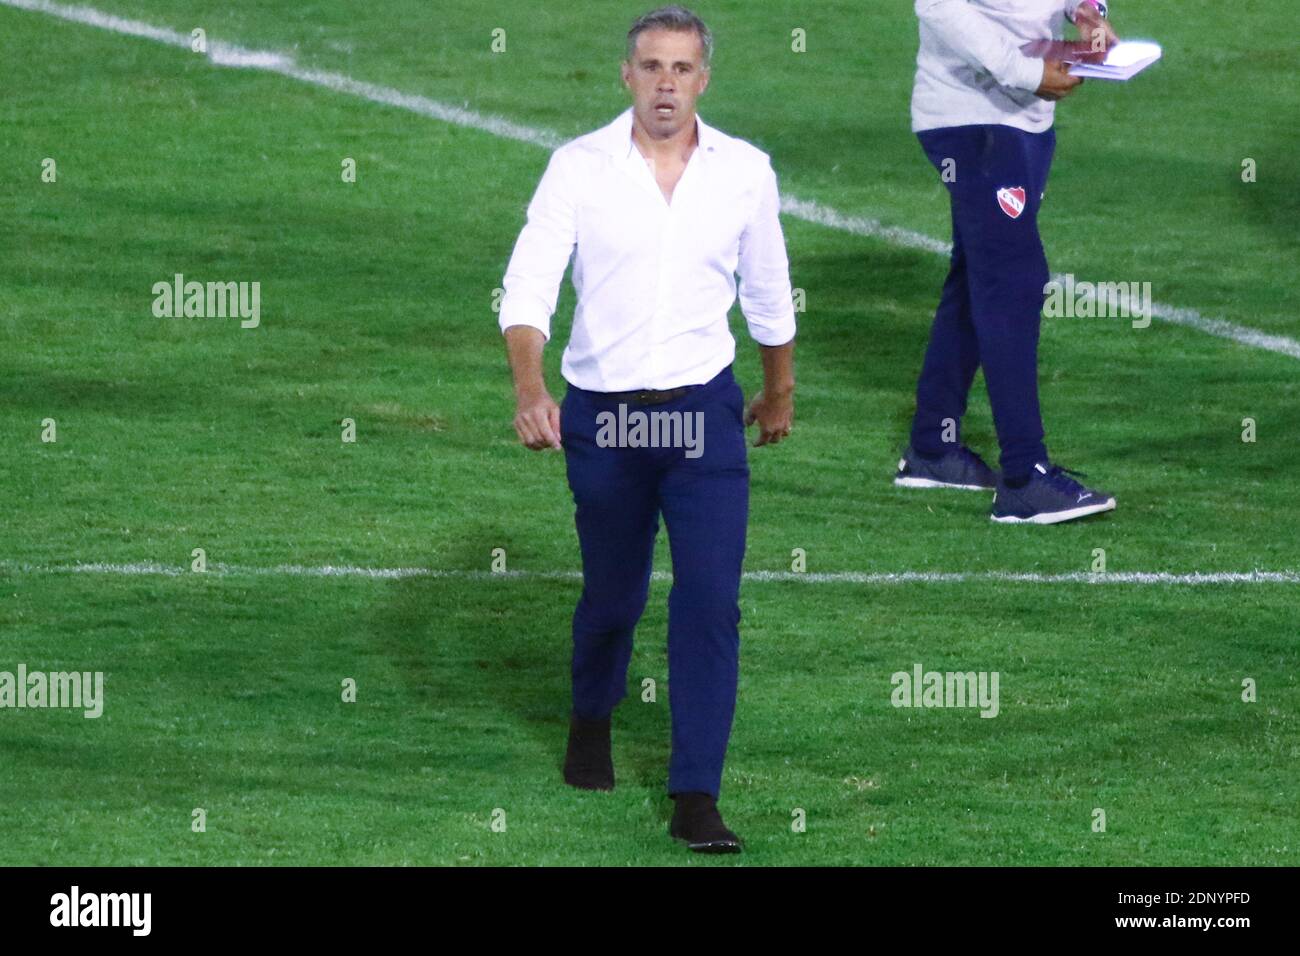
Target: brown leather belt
{"type": "Point", "coordinates": [648, 396]}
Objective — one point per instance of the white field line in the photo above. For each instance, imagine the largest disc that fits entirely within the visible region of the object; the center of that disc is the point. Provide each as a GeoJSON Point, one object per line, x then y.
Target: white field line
{"type": "Point", "coordinates": [230, 55]}
{"type": "Point", "coordinates": [831, 577]}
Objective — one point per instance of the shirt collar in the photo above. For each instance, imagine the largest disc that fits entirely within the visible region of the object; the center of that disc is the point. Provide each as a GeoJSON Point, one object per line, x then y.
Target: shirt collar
{"type": "Point", "coordinates": [618, 139]}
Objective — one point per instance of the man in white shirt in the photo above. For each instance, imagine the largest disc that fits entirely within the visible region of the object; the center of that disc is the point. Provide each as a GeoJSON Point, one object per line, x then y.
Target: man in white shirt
{"type": "Point", "coordinates": [660, 213]}
{"type": "Point", "coordinates": [983, 112]}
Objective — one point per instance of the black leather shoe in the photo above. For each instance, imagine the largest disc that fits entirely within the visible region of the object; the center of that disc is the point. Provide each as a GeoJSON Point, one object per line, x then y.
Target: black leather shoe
{"type": "Point", "coordinates": [588, 764]}
{"type": "Point", "coordinates": [697, 822]}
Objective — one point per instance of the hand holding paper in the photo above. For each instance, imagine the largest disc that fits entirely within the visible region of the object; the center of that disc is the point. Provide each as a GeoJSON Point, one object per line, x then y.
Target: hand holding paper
{"type": "Point", "coordinates": [1123, 61]}
{"type": "Point", "coordinates": [1057, 83]}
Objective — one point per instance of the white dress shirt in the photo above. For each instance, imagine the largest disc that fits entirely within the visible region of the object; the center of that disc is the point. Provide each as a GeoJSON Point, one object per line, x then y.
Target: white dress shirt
{"type": "Point", "coordinates": [655, 280]}
{"type": "Point", "coordinates": [970, 71]}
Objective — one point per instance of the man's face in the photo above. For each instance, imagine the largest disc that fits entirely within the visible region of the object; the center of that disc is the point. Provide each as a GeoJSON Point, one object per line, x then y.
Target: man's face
{"type": "Point", "coordinates": [666, 76]}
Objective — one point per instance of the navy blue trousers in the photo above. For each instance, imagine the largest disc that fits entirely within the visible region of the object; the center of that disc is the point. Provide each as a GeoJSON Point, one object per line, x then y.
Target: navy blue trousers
{"type": "Point", "coordinates": [991, 307]}
{"type": "Point", "coordinates": [619, 493]}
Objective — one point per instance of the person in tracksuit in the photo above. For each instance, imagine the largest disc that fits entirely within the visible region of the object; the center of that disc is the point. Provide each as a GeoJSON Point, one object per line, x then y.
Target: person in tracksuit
{"type": "Point", "coordinates": [983, 112]}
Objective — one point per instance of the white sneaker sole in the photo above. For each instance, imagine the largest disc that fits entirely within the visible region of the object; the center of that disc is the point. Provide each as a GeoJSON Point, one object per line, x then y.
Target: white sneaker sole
{"type": "Point", "coordinates": [931, 483]}
{"type": "Point", "coordinates": [1056, 517]}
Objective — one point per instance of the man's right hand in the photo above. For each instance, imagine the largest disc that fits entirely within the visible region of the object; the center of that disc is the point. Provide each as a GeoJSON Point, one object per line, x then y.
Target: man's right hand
{"type": "Point", "coordinates": [537, 420]}
{"type": "Point", "coordinates": [537, 417]}
{"type": "Point", "coordinates": [1057, 81]}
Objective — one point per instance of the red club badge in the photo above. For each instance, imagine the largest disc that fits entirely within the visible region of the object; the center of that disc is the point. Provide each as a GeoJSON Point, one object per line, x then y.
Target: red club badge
{"type": "Point", "coordinates": [1012, 200]}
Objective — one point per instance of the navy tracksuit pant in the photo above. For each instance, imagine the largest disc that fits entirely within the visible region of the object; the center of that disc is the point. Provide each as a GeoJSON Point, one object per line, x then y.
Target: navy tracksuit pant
{"type": "Point", "coordinates": [619, 493]}
{"type": "Point", "coordinates": [991, 307]}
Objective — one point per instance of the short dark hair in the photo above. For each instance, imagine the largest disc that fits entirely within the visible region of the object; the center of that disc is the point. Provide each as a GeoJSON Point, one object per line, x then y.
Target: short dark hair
{"type": "Point", "coordinates": [670, 18]}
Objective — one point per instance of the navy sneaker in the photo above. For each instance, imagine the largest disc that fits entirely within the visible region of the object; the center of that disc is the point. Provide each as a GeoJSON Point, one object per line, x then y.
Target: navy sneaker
{"type": "Point", "coordinates": [961, 468]}
{"type": "Point", "coordinates": [1050, 496]}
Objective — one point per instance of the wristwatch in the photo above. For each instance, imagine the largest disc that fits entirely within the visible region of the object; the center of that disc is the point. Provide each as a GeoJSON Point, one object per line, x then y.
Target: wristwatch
{"type": "Point", "coordinates": [1100, 5]}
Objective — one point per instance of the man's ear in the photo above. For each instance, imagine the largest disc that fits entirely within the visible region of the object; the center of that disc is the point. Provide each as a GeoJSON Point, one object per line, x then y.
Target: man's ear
{"type": "Point", "coordinates": [704, 85]}
{"type": "Point", "coordinates": [625, 72]}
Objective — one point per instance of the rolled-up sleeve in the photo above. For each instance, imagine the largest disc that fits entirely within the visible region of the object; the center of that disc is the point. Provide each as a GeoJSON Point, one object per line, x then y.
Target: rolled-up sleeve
{"type": "Point", "coordinates": [764, 269]}
{"type": "Point", "coordinates": [981, 43]}
{"type": "Point", "coordinates": [532, 281]}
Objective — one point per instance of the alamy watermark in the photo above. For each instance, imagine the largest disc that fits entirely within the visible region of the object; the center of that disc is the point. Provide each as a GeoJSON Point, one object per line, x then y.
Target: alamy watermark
{"type": "Point", "coordinates": [638, 429]}
{"type": "Point", "coordinates": [1069, 299]}
{"type": "Point", "coordinates": [75, 908]}
{"type": "Point", "coordinates": [81, 690]}
{"type": "Point", "coordinates": [208, 300]}
{"type": "Point", "coordinates": [946, 689]}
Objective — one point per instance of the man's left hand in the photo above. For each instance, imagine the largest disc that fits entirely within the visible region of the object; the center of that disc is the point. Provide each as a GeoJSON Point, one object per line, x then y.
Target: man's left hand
{"type": "Point", "coordinates": [1094, 29]}
{"type": "Point", "coordinates": [774, 414]}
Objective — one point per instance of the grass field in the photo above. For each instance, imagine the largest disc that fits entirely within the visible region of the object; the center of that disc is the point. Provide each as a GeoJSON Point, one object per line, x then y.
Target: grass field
{"type": "Point", "coordinates": [223, 689]}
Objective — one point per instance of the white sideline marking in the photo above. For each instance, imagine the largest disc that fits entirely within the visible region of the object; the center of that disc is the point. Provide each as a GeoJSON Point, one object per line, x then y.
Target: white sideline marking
{"type": "Point", "coordinates": [857, 225]}
{"type": "Point", "coordinates": [230, 55]}
{"type": "Point", "coordinates": [830, 577]}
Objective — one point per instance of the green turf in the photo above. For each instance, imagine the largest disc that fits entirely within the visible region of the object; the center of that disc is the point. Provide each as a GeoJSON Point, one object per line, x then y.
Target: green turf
{"type": "Point", "coordinates": [223, 692]}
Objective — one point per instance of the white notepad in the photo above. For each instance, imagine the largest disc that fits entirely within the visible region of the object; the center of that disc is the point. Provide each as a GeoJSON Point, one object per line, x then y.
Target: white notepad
{"type": "Point", "coordinates": [1125, 60]}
